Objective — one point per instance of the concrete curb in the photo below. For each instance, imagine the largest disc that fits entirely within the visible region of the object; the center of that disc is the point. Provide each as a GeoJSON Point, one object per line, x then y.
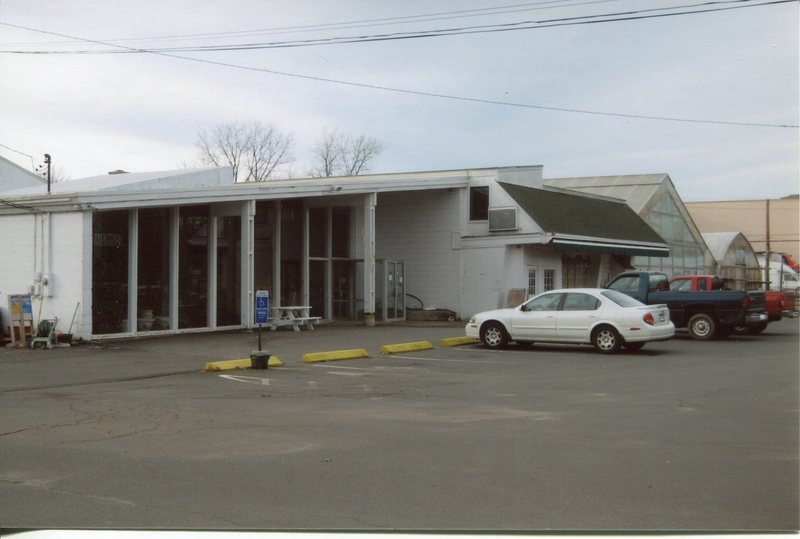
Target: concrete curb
{"type": "Point", "coordinates": [336, 355]}
{"type": "Point", "coordinates": [458, 341]}
{"type": "Point", "coordinates": [230, 364]}
{"type": "Point", "coordinates": [406, 347]}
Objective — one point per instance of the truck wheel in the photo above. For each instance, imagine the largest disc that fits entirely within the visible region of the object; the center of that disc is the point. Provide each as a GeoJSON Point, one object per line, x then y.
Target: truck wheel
{"type": "Point", "coordinates": [606, 340]}
{"type": "Point", "coordinates": [702, 327]}
{"type": "Point", "coordinates": [493, 335]}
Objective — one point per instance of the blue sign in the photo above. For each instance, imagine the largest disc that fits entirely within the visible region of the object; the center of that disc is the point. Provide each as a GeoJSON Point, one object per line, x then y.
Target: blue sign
{"type": "Point", "coordinates": [262, 306]}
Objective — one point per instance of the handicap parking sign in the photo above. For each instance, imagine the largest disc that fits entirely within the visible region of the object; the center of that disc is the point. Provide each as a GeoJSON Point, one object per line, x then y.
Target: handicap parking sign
{"type": "Point", "coordinates": [262, 306]}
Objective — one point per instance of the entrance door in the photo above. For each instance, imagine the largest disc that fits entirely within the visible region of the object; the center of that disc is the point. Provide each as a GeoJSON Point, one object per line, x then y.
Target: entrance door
{"type": "Point", "coordinates": [390, 290]}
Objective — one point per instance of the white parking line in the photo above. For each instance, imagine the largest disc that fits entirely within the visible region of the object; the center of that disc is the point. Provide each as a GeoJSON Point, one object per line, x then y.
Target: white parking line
{"type": "Point", "coordinates": [442, 359]}
{"type": "Point", "coordinates": [322, 365]}
{"type": "Point", "coordinates": [246, 379]}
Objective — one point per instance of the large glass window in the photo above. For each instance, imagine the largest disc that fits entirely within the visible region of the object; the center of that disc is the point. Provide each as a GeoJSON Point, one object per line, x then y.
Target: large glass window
{"type": "Point", "coordinates": [318, 232]}
{"type": "Point", "coordinates": [193, 267]}
{"type": "Point", "coordinates": [264, 241]}
{"type": "Point", "coordinates": [316, 286]}
{"type": "Point", "coordinates": [291, 251]}
{"type": "Point", "coordinates": [110, 272]}
{"type": "Point", "coordinates": [153, 272]}
{"type": "Point", "coordinates": [229, 271]}
{"type": "Point", "coordinates": [340, 222]}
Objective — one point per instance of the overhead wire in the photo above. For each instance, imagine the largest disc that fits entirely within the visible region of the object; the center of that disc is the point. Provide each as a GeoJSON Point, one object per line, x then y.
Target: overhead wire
{"type": "Point", "coordinates": [440, 95]}
{"type": "Point", "coordinates": [720, 5]}
{"type": "Point", "coordinates": [33, 165]}
{"type": "Point", "coordinates": [407, 19]}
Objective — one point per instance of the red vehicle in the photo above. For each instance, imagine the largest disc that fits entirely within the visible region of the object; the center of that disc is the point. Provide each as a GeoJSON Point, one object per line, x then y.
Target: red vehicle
{"type": "Point", "coordinates": [777, 304]}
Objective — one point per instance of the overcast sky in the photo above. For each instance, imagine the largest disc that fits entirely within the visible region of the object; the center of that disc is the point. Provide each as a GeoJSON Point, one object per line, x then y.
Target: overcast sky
{"type": "Point", "coordinates": [141, 112]}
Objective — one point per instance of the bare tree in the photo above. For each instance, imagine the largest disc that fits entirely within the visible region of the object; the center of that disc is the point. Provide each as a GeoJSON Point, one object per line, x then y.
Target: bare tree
{"type": "Point", "coordinates": [340, 154]}
{"type": "Point", "coordinates": [358, 153]}
{"type": "Point", "coordinates": [253, 150]}
{"type": "Point", "coordinates": [327, 154]}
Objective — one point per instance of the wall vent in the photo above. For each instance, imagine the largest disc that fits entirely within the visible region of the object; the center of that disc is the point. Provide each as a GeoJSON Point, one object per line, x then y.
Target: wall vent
{"type": "Point", "coordinates": [502, 219]}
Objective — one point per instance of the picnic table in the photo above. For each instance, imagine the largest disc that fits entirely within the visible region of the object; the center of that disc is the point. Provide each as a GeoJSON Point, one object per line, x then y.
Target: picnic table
{"type": "Point", "coordinates": [292, 315]}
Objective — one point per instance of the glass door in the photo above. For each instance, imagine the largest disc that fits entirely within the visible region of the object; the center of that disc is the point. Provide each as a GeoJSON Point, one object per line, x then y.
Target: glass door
{"type": "Point", "coordinates": [390, 292]}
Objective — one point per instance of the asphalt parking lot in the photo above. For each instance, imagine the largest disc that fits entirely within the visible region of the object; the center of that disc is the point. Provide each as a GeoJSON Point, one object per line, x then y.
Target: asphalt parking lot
{"type": "Point", "coordinates": [682, 435]}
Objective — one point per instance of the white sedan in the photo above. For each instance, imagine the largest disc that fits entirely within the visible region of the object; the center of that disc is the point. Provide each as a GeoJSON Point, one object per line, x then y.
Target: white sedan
{"type": "Point", "coordinates": [606, 319]}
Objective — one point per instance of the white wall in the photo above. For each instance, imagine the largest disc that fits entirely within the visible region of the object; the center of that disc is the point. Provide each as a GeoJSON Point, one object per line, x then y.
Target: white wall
{"type": "Point", "coordinates": [67, 269]}
{"type": "Point", "coordinates": [50, 244]}
{"type": "Point", "coordinates": [16, 263]}
{"type": "Point", "coordinates": [483, 279]}
{"type": "Point", "coordinates": [417, 228]}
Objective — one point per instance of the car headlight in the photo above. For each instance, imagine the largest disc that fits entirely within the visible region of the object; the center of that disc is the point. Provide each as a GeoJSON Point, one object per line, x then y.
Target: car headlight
{"type": "Point", "coordinates": [472, 320]}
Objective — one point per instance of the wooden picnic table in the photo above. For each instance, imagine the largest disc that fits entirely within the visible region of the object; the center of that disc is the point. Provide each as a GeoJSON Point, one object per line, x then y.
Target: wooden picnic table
{"type": "Point", "coordinates": [292, 315]}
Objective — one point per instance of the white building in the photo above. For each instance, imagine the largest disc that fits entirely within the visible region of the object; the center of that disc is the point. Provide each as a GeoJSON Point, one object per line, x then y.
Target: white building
{"type": "Point", "coordinates": [186, 250]}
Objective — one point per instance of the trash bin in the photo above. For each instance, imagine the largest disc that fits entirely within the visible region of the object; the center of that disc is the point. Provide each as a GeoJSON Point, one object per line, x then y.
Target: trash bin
{"type": "Point", "coordinates": [259, 359]}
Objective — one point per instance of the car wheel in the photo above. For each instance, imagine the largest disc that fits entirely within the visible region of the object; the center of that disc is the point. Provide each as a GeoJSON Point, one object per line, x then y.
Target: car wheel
{"type": "Point", "coordinates": [702, 327]}
{"type": "Point", "coordinates": [606, 340]}
{"type": "Point", "coordinates": [493, 335]}
{"type": "Point", "coordinates": [633, 346]}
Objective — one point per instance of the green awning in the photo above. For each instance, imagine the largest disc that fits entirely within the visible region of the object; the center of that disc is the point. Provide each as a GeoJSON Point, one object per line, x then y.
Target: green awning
{"type": "Point", "coordinates": [588, 224]}
{"type": "Point", "coordinates": [589, 246]}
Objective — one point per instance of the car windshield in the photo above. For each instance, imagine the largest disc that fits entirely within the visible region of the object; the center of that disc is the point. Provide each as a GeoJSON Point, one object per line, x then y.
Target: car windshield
{"type": "Point", "coordinates": [623, 300]}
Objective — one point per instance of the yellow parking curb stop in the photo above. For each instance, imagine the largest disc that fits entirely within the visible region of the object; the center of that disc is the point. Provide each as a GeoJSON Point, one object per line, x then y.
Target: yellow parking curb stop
{"type": "Point", "coordinates": [230, 364]}
{"type": "Point", "coordinates": [406, 347]}
{"type": "Point", "coordinates": [336, 355]}
{"type": "Point", "coordinates": [457, 341]}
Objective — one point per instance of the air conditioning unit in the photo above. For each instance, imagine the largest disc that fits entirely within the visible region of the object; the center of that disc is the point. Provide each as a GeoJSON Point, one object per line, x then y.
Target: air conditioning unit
{"type": "Point", "coordinates": [502, 219]}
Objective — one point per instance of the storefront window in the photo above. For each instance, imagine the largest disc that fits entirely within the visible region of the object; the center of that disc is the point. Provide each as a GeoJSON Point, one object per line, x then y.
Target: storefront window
{"type": "Point", "coordinates": [153, 271]}
{"type": "Point", "coordinates": [193, 267]}
{"type": "Point", "coordinates": [110, 272]}
{"type": "Point", "coordinates": [229, 271]}
{"type": "Point", "coordinates": [291, 251]}
{"type": "Point", "coordinates": [341, 232]}
{"type": "Point", "coordinates": [318, 232]}
{"type": "Point", "coordinates": [264, 242]}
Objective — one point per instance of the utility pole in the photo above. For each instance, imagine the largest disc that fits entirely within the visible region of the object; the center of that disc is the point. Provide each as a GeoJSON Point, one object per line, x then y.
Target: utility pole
{"type": "Point", "coordinates": [766, 258]}
{"type": "Point", "coordinates": [47, 162]}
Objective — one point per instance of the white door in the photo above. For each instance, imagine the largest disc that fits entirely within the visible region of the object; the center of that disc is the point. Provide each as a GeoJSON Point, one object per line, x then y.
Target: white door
{"type": "Point", "coordinates": [577, 315]}
{"type": "Point", "coordinates": [536, 318]}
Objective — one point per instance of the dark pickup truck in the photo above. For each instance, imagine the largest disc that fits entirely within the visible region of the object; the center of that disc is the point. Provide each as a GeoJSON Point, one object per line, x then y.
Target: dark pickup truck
{"type": "Point", "coordinates": [777, 304]}
{"type": "Point", "coordinates": [705, 314]}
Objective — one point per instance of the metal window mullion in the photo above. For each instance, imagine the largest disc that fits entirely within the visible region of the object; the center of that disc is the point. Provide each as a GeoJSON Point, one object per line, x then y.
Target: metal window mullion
{"type": "Point", "coordinates": [133, 270]}
{"type": "Point", "coordinates": [211, 304]}
{"type": "Point", "coordinates": [174, 267]}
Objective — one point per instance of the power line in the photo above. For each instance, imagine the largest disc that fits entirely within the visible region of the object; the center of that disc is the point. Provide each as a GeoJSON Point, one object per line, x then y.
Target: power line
{"type": "Point", "coordinates": [420, 92]}
{"type": "Point", "coordinates": [445, 15]}
{"type": "Point", "coordinates": [479, 29]}
{"type": "Point", "coordinates": [33, 165]}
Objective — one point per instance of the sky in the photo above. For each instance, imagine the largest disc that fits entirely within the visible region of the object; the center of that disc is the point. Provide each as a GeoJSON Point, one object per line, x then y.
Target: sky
{"type": "Point", "coordinates": [578, 99]}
